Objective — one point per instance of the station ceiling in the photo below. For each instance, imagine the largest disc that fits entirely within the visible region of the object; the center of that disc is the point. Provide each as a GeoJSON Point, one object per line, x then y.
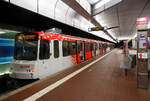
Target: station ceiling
{"type": "Point", "coordinates": [93, 1]}
{"type": "Point", "coordinates": [121, 14]}
{"type": "Point", "coordinates": [124, 15]}
{"type": "Point", "coordinates": [20, 20]}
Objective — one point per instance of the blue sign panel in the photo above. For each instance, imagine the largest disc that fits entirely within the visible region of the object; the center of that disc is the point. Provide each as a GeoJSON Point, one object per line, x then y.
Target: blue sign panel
{"type": "Point", "coordinates": [142, 36]}
{"type": "Point", "coordinates": [6, 50]}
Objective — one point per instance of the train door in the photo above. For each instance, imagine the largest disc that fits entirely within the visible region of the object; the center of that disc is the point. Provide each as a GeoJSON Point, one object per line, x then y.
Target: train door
{"type": "Point", "coordinates": [98, 52]}
{"type": "Point", "coordinates": [78, 52]}
{"type": "Point", "coordinates": [56, 51]}
{"type": "Point", "coordinates": [94, 48]}
{"type": "Point", "coordinates": [91, 49]}
{"type": "Point", "coordinates": [105, 48]}
{"type": "Point", "coordinates": [102, 46]}
{"type": "Point", "coordinates": [74, 51]}
{"type": "Point", "coordinates": [86, 50]}
{"type": "Point", "coordinates": [82, 52]}
{"type": "Point", "coordinates": [99, 49]}
{"type": "Point", "coordinates": [44, 55]}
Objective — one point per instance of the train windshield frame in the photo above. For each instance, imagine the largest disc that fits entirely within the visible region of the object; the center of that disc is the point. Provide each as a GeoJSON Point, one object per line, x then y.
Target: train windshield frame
{"type": "Point", "coordinates": [26, 46]}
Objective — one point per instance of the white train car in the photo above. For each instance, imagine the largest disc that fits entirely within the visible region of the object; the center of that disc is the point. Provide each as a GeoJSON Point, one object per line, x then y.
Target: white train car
{"type": "Point", "coordinates": [38, 55]}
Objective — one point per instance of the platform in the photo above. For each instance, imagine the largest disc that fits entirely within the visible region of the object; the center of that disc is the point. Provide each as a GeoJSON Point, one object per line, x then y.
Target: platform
{"type": "Point", "coordinates": [99, 79]}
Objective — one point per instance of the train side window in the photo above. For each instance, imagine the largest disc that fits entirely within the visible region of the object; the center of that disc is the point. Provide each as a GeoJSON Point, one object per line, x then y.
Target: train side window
{"type": "Point", "coordinates": [44, 49]}
{"type": "Point", "coordinates": [86, 46]}
{"type": "Point", "coordinates": [89, 45]}
{"type": "Point", "coordinates": [74, 48]}
{"type": "Point", "coordinates": [56, 48]}
{"type": "Point", "coordinates": [79, 47]}
{"type": "Point", "coordinates": [102, 46]}
{"type": "Point", "coordinates": [99, 46]}
{"type": "Point", "coordinates": [95, 45]}
{"type": "Point", "coordinates": [66, 48]}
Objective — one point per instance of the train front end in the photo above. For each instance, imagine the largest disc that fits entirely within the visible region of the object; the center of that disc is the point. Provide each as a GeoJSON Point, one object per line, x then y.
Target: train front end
{"type": "Point", "coordinates": [25, 57]}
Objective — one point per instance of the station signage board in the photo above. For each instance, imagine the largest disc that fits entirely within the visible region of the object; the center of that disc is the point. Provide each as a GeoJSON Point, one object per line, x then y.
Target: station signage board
{"type": "Point", "coordinates": [142, 36]}
{"type": "Point", "coordinates": [142, 52]}
{"type": "Point", "coordinates": [142, 23]}
{"type": "Point", "coordinates": [142, 43]}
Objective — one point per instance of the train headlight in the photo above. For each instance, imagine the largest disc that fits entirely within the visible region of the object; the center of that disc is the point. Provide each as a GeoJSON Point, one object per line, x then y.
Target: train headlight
{"type": "Point", "coordinates": [32, 70]}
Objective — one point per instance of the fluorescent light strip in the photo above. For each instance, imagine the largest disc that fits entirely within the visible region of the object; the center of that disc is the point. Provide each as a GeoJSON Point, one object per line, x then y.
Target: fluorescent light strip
{"type": "Point", "coordinates": [101, 3]}
{"type": "Point", "coordinates": [2, 32]}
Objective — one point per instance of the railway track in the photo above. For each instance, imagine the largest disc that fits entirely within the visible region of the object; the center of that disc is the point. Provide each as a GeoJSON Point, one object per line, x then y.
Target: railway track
{"type": "Point", "coordinates": [8, 84]}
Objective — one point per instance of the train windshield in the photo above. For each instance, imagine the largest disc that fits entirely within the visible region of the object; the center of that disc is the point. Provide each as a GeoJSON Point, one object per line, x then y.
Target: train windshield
{"type": "Point", "coordinates": [26, 47]}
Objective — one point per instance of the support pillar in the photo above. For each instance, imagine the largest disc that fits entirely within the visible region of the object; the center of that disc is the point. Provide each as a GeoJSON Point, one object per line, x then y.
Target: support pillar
{"type": "Point", "coordinates": [142, 53]}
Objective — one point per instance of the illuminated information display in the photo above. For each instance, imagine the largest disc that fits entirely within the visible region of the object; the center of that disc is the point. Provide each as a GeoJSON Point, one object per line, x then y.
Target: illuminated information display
{"type": "Point", "coordinates": [26, 37]}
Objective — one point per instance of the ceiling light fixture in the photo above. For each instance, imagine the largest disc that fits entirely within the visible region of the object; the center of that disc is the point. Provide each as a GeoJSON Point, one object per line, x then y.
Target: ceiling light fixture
{"type": "Point", "coordinates": [2, 32]}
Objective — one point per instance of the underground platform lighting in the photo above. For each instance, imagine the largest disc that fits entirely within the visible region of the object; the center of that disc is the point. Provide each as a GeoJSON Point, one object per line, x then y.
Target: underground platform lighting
{"type": "Point", "coordinates": [101, 3]}
{"type": "Point", "coordinates": [2, 32]}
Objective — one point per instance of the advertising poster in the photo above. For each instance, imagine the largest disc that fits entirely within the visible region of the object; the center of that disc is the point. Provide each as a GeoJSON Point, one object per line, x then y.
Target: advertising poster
{"type": "Point", "coordinates": [6, 51]}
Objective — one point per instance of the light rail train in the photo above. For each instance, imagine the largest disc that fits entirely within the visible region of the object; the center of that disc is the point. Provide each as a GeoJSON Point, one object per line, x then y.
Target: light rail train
{"type": "Point", "coordinates": [38, 54]}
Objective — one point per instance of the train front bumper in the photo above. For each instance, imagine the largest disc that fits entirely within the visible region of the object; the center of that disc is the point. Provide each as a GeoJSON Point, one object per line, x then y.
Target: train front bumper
{"type": "Point", "coordinates": [22, 75]}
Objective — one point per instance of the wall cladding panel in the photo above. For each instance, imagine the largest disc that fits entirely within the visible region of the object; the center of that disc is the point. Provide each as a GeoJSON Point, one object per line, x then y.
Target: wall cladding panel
{"type": "Point", "coordinates": [69, 17]}
{"type": "Point", "coordinates": [76, 19]}
{"type": "Point", "coordinates": [60, 11]}
{"type": "Point", "coordinates": [77, 23]}
{"type": "Point", "coordinates": [27, 4]}
{"type": "Point", "coordinates": [84, 24]}
{"type": "Point", "coordinates": [46, 7]}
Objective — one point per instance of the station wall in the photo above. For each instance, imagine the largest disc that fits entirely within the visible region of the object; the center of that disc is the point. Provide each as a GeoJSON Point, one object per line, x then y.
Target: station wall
{"type": "Point", "coordinates": [6, 50]}
{"type": "Point", "coordinates": [54, 9]}
{"type": "Point", "coordinates": [58, 10]}
{"type": "Point", "coordinates": [6, 54]}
